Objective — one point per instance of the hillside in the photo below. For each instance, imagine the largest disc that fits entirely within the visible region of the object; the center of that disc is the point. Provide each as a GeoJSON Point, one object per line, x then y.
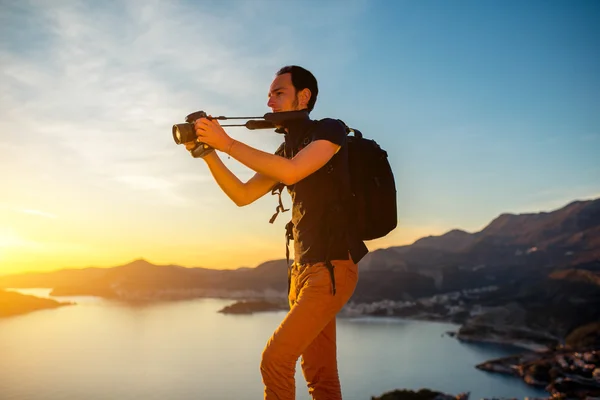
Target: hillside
{"type": "Point", "coordinates": [12, 304]}
{"type": "Point", "coordinates": [511, 248]}
{"type": "Point", "coordinates": [543, 266]}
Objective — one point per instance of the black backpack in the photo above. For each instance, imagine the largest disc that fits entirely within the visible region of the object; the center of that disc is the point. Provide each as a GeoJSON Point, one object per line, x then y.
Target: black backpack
{"type": "Point", "coordinates": [374, 209]}
{"type": "Point", "coordinates": [373, 204]}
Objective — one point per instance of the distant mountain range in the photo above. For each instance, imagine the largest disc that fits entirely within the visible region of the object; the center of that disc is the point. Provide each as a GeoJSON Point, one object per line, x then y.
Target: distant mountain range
{"type": "Point", "coordinates": [543, 268]}
{"type": "Point", "coordinates": [511, 249]}
{"type": "Point", "coordinates": [527, 278]}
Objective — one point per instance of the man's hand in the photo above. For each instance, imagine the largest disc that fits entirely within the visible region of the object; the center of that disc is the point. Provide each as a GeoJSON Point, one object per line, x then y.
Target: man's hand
{"type": "Point", "coordinates": [199, 152]}
{"type": "Point", "coordinates": [190, 145]}
{"type": "Point", "coordinates": [209, 131]}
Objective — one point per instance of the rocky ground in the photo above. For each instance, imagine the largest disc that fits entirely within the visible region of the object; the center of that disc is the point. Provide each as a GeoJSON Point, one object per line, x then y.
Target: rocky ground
{"type": "Point", "coordinates": [427, 394]}
{"type": "Point", "coordinates": [563, 372]}
{"type": "Point", "coordinates": [423, 394]}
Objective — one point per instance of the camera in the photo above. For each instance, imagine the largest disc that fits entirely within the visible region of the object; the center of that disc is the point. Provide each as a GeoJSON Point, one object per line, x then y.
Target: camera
{"type": "Point", "coordinates": [184, 133]}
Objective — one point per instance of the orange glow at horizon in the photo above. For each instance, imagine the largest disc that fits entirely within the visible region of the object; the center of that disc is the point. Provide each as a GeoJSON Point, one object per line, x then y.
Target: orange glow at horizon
{"type": "Point", "coordinates": [19, 254]}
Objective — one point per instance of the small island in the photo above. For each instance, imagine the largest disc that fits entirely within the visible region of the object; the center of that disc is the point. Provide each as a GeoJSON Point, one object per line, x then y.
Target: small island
{"type": "Point", "coordinates": [423, 394]}
{"type": "Point", "coordinates": [12, 303]}
{"type": "Point", "coordinates": [252, 306]}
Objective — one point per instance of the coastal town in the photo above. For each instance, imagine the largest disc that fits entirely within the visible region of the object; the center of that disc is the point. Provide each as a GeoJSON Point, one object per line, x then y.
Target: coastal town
{"type": "Point", "coordinates": [453, 306]}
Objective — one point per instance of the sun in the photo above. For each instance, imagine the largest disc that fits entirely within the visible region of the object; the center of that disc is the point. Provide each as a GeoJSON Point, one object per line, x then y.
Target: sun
{"type": "Point", "coordinates": [9, 239]}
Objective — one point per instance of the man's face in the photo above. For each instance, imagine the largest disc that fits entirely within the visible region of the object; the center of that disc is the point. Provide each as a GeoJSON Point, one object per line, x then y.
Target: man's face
{"type": "Point", "coordinates": [283, 96]}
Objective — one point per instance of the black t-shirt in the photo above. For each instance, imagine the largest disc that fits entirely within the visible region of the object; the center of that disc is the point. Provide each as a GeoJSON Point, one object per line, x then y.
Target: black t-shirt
{"type": "Point", "coordinates": [319, 210]}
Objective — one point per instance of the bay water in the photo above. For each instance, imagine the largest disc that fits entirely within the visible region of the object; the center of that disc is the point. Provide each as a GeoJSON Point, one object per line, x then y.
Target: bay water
{"type": "Point", "coordinates": [182, 350]}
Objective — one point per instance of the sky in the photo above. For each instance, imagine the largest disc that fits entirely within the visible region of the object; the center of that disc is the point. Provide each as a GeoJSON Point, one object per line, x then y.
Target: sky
{"type": "Point", "coordinates": [484, 108]}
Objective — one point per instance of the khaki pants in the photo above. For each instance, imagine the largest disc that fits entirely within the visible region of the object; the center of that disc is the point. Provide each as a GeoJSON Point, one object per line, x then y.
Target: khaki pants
{"type": "Point", "coordinates": [309, 330]}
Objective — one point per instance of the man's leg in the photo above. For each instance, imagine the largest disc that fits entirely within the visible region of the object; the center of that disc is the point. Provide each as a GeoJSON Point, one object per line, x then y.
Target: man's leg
{"type": "Point", "coordinates": [313, 308]}
{"type": "Point", "coordinates": [319, 360]}
{"type": "Point", "coordinates": [319, 365]}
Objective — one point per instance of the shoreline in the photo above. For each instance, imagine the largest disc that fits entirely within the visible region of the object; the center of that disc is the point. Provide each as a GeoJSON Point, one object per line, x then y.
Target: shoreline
{"type": "Point", "coordinates": [526, 345]}
{"type": "Point", "coordinates": [13, 304]}
{"type": "Point", "coordinates": [277, 305]}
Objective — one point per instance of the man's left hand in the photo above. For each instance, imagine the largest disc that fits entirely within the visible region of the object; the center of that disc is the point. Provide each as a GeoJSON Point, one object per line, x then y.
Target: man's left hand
{"type": "Point", "coordinates": [209, 131]}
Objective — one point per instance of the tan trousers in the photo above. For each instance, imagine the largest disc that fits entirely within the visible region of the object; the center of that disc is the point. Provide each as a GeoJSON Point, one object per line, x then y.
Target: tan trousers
{"type": "Point", "coordinates": [309, 330]}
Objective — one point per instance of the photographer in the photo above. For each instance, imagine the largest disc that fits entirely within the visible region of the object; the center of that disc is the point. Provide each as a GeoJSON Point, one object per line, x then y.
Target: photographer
{"type": "Point", "coordinates": [313, 164]}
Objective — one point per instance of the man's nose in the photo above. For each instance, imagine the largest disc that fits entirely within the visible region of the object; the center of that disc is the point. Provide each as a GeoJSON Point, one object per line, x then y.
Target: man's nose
{"type": "Point", "coordinates": [270, 102]}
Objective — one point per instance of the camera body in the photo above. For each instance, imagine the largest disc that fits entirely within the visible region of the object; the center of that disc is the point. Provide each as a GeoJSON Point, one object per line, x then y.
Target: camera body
{"type": "Point", "coordinates": [184, 133]}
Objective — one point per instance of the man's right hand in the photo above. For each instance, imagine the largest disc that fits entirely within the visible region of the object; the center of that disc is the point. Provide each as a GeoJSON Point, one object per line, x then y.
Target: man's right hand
{"type": "Point", "coordinates": [190, 145]}
{"type": "Point", "coordinates": [203, 153]}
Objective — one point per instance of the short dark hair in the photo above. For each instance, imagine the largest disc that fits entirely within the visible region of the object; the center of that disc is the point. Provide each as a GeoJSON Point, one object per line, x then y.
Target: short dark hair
{"type": "Point", "coordinates": [302, 79]}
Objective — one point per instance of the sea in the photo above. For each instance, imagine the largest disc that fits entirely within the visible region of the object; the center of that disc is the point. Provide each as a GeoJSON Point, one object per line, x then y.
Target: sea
{"type": "Point", "coordinates": [99, 349]}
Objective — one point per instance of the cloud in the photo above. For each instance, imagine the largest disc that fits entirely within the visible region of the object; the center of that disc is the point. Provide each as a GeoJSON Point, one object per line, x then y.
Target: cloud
{"type": "Point", "coordinates": [95, 87]}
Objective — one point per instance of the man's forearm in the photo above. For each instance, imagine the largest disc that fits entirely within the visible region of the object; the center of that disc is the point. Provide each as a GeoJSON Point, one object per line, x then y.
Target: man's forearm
{"type": "Point", "coordinates": [271, 165]}
{"type": "Point", "coordinates": [227, 181]}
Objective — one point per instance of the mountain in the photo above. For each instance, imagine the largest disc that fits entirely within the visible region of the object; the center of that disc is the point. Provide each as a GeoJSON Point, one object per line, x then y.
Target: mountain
{"type": "Point", "coordinates": [141, 279]}
{"type": "Point", "coordinates": [453, 241]}
{"type": "Point", "coordinates": [511, 249]}
{"type": "Point", "coordinates": [553, 305]}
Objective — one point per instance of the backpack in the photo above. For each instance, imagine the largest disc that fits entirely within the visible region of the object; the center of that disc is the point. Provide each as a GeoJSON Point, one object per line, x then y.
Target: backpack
{"type": "Point", "coordinates": [373, 204]}
{"type": "Point", "coordinates": [374, 209]}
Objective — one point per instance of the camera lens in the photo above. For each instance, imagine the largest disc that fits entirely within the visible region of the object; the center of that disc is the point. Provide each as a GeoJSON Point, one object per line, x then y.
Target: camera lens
{"type": "Point", "coordinates": [183, 133]}
{"type": "Point", "coordinates": [176, 135]}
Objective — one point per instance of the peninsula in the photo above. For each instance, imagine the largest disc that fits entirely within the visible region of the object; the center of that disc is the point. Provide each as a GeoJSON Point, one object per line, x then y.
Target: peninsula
{"type": "Point", "coordinates": [12, 303]}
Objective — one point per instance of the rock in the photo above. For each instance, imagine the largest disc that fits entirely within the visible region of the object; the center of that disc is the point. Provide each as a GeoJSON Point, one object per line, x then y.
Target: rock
{"type": "Point", "coordinates": [538, 374]}
{"type": "Point", "coordinates": [249, 307]}
{"type": "Point", "coordinates": [422, 394]}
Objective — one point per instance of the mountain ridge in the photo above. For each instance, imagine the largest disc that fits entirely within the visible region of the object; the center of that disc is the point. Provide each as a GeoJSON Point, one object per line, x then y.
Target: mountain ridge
{"type": "Point", "coordinates": [505, 228]}
{"type": "Point", "coordinates": [510, 247]}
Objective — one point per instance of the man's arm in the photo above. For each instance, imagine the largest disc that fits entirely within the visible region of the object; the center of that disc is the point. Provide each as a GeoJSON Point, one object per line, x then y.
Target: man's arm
{"type": "Point", "coordinates": [241, 193]}
{"type": "Point", "coordinates": [281, 169]}
{"type": "Point", "coordinates": [278, 168]}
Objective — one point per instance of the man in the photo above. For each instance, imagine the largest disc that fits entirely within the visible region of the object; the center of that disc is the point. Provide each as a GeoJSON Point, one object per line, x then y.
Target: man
{"type": "Point", "coordinates": [313, 164]}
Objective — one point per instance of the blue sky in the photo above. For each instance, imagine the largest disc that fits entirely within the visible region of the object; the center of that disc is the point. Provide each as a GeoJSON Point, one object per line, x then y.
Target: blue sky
{"type": "Point", "coordinates": [484, 108]}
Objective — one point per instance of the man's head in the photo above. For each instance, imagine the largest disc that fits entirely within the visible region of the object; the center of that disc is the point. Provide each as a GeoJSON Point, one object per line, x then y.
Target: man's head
{"type": "Point", "coordinates": [294, 88]}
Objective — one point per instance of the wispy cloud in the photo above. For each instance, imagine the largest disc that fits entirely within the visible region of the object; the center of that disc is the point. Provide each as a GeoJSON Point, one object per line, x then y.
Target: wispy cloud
{"type": "Point", "coordinates": [101, 85]}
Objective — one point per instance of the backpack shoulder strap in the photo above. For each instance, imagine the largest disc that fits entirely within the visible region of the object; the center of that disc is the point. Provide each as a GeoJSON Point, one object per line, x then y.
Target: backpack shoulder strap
{"type": "Point", "coordinates": [277, 189]}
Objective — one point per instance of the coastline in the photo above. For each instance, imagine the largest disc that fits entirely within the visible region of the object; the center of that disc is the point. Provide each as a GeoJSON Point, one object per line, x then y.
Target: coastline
{"type": "Point", "coordinates": [14, 304]}
{"type": "Point", "coordinates": [524, 344]}
{"type": "Point", "coordinates": [524, 364]}
{"type": "Point", "coordinates": [257, 304]}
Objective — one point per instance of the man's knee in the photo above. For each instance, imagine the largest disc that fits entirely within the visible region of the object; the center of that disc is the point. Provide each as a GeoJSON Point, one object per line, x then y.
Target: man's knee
{"type": "Point", "coordinates": [267, 360]}
{"type": "Point", "coordinates": [273, 358]}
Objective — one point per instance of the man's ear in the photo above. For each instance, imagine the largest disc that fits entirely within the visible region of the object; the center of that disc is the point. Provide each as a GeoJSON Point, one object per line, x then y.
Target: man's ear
{"type": "Point", "coordinates": [304, 97]}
